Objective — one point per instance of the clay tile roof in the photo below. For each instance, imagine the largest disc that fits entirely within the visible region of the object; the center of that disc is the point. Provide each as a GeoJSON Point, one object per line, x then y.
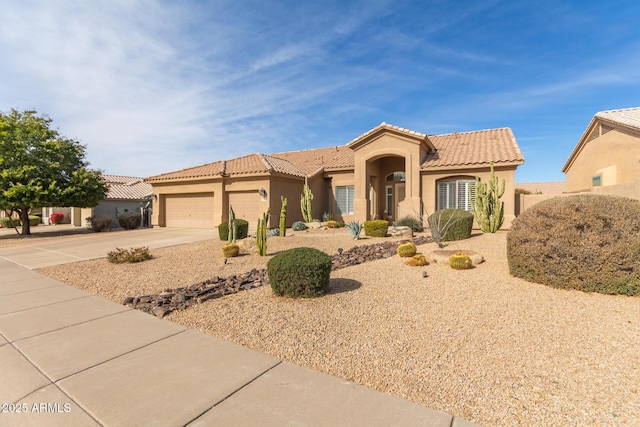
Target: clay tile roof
{"type": "Point", "coordinates": [202, 171]}
{"type": "Point", "coordinates": [471, 148]}
{"type": "Point", "coordinates": [384, 125]}
{"type": "Point", "coordinates": [127, 187]}
{"type": "Point", "coordinates": [627, 116]}
{"type": "Point", "coordinates": [311, 161]}
{"type": "Point", "coordinates": [260, 163]}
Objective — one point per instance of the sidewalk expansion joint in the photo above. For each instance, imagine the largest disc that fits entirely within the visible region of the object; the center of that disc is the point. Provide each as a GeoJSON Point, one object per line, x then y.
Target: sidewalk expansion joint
{"type": "Point", "coordinates": [118, 356]}
{"type": "Point", "coordinates": [234, 392]}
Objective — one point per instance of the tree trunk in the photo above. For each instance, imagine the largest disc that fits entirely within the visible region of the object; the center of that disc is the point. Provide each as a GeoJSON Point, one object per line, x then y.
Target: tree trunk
{"type": "Point", "coordinates": [24, 217]}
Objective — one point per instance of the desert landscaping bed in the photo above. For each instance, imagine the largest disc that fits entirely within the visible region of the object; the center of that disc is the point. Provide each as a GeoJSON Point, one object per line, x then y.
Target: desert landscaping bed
{"type": "Point", "coordinates": [478, 343]}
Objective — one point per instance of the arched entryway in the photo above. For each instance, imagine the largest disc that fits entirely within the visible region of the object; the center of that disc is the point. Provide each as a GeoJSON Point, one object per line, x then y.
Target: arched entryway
{"type": "Point", "coordinates": [386, 180]}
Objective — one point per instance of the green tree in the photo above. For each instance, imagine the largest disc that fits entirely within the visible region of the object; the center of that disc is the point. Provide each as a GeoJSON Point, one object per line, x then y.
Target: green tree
{"type": "Point", "coordinates": [40, 168]}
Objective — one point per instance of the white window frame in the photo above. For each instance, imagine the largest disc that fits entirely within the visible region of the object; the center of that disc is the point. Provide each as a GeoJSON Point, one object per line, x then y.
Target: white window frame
{"type": "Point", "coordinates": [449, 193]}
{"type": "Point", "coordinates": [344, 201]}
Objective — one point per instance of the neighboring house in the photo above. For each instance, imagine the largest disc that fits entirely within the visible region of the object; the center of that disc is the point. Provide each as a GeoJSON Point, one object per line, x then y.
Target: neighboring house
{"type": "Point", "coordinates": [387, 172]}
{"type": "Point", "coordinates": [607, 155]}
{"type": "Point", "coordinates": [125, 194]}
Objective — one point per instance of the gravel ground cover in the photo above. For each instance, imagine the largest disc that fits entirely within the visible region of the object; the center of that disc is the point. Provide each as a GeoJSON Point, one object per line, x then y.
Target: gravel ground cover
{"type": "Point", "coordinates": [477, 343]}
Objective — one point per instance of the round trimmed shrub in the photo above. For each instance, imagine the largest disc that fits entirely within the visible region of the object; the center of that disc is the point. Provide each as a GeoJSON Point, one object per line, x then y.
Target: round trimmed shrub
{"type": "Point", "coordinates": [99, 223]}
{"type": "Point", "coordinates": [130, 220]}
{"type": "Point", "coordinates": [34, 220]}
{"type": "Point", "coordinates": [376, 228]}
{"type": "Point", "coordinates": [453, 224]}
{"type": "Point", "coordinates": [586, 242]}
{"type": "Point", "coordinates": [299, 272]}
{"type": "Point", "coordinates": [412, 222]}
{"type": "Point", "coordinates": [7, 222]}
{"type": "Point", "coordinates": [242, 228]}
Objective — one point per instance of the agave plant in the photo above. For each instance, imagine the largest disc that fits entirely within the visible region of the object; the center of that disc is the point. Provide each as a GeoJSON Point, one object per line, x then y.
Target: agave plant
{"type": "Point", "coordinates": [354, 228]}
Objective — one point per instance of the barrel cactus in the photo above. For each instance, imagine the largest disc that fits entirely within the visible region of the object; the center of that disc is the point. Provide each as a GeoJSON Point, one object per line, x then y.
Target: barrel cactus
{"type": "Point", "coordinates": [407, 249]}
{"type": "Point", "coordinates": [418, 260]}
{"type": "Point", "coordinates": [230, 250]}
{"type": "Point", "coordinates": [460, 261]}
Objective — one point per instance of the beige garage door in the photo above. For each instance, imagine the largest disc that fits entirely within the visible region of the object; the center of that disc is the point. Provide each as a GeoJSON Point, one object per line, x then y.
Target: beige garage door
{"type": "Point", "coordinates": [246, 206]}
{"type": "Point", "coordinates": [189, 210]}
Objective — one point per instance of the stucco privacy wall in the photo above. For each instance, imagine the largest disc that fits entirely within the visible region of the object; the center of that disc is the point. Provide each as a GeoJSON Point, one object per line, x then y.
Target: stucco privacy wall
{"type": "Point", "coordinates": [615, 156]}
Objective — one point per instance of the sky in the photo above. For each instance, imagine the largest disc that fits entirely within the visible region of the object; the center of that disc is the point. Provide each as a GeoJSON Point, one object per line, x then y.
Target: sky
{"type": "Point", "coordinates": [156, 86]}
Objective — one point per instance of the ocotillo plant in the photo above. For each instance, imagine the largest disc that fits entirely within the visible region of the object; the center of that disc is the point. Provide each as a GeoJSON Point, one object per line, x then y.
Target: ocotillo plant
{"type": "Point", "coordinates": [261, 234]}
{"type": "Point", "coordinates": [488, 209]}
{"type": "Point", "coordinates": [305, 202]}
{"type": "Point", "coordinates": [283, 217]}
{"type": "Point", "coordinates": [233, 228]}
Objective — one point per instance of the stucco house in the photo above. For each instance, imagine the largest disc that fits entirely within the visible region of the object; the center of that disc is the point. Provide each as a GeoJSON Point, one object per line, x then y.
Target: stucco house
{"type": "Point", "coordinates": [607, 156]}
{"type": "Point", "coordinates": [387, 172]}
{"type": "Point", "coordinates": [125, 194]}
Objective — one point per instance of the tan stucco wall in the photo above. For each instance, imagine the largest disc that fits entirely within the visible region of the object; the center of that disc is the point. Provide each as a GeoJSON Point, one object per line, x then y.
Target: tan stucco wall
{"type": "Point", "coordinates": [615, 156]}
{"type": "Point", "coordinates": [291, 189]}
{"type": "Point", "coordinates": [333, 180]}
{"type": "Point", "coordinates": [431, 177]}
{"type": "Point", "coordinates": [387, 147]}
{"type": "Point", "coordinates": [629, 189]}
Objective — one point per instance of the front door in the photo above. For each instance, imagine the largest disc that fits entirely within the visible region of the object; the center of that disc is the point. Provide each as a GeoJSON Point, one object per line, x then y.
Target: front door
{"type": "Point", "coordinates": [395, 193]}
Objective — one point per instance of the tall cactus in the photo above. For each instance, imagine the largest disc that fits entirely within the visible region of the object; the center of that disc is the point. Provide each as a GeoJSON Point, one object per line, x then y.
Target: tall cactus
{"type": "Point", "coordinates": [305, 202]}
{"type": "Point", "coordinates": [233, 227]}
{"type": "Point", "coordinates": [488, 209]}
{"type": "Point", "coordinates": [261, 234]}
{"type": "Point", "coordinates": [283, 217]}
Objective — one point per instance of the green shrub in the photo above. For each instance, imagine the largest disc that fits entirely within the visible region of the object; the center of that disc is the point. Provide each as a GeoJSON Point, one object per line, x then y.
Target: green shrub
{"type": "Point", "coordinates": [586, 242]}
{"type": "Point", "coordinates": [447, 225]}
{"type": "Point", "coordinates": [130, 220]}
{"type": "Point", "coordinates": [299, 272]}
{"type": "Point", "coordinates": [376, 228]}
{"type": "Point", "coordinates": [34, 220]}
{"type": "Point", "coordinates": [6, 222]}
{"type": "Point", "coordinates": [99, 223]}
{"type": "Point", "coordinates": [242, 226]}
{"type": "Point", "coordinates": [298, 226]}
{"type": "Point", "coordinates": [411, 221]}
{"type": "Point", "coordinates": [120, 256]}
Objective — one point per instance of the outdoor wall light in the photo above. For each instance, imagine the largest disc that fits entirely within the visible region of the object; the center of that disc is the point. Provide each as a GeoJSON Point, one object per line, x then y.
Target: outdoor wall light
{"type": "Point", "coordinates": [262, 192]}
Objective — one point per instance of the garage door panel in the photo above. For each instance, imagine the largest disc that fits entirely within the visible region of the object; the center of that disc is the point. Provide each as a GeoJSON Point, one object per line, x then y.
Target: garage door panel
{"type": "Point", "coordinates": [194, 210]}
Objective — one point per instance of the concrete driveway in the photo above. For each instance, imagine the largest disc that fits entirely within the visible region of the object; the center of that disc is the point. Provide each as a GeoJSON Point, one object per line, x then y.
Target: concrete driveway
{"type": "Point", "coordinates": [68, 249]}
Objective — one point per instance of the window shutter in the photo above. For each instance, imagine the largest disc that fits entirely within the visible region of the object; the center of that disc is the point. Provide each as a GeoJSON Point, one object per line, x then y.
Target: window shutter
{"type": "Point", "coordinates": [350, 193]}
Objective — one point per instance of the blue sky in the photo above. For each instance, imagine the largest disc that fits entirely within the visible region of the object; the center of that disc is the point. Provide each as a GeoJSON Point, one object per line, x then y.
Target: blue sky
{"type": "Point", "coordinates": [153, 86]}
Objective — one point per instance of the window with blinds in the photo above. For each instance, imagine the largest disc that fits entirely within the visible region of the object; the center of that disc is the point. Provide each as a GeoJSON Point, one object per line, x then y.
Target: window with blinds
{"type": "Point", "coordinates": [344, 199]}
{"type": "Point", "coordinates": [456, 194]}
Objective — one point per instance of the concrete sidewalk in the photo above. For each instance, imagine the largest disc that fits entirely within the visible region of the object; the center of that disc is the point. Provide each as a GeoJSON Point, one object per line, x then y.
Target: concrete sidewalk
{"type": "Point", "coordinates": [67, 249]}
{"type": "Point", "coordinates": [74, 359]}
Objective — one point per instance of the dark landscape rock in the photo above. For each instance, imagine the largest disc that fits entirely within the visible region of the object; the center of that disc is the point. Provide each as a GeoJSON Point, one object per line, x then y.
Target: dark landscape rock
{"type": "Point", "coordinates": [182, 298]}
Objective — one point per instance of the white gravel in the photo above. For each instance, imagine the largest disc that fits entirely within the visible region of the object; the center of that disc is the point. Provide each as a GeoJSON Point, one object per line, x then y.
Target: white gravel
{"type": "Point", "coordinates": [478, 344]}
